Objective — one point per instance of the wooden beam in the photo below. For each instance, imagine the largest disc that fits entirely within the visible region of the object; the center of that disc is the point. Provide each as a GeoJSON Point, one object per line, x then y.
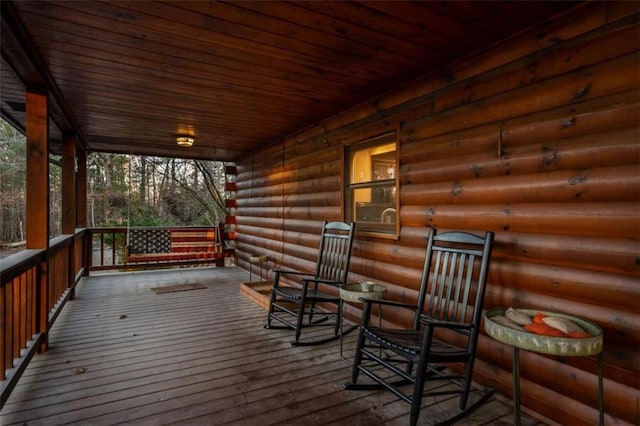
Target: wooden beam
{"type": "Point", "coordinates": [13, 47]}
{"type": "Point", "coordinates": [37, 170]}
{"type": "Point", "coordinates": [21, 54]}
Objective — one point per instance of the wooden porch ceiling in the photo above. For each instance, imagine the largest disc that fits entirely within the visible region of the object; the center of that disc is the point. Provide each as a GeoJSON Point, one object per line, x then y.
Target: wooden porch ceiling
{"type": "Point", "coordinates": [127, 76]}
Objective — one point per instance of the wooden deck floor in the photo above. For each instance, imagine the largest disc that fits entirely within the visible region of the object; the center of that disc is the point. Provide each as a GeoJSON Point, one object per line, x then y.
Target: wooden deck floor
{"type": "Point", "coordinates": [122, 354]}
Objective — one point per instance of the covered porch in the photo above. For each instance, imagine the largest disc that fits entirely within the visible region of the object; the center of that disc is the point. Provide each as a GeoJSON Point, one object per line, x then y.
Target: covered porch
{"type": "Point", "coordinates": [520, 119]}
{"type": "Point", "coordinates": [120, 353]}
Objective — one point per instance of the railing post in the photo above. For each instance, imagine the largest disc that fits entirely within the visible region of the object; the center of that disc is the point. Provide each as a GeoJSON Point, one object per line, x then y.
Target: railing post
{"type": "Point", "coordinates": [6, 355]}
{"type": "Point", "coordinates": [71, 266]}
{"type": "Point", "coordinates": [88, 251]}
{"type": "Point", "coordinates": [42, 303]}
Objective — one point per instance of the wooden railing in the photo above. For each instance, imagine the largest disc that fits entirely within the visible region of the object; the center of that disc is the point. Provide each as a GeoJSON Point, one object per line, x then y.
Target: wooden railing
{"type": "Point", "coordinates": [109, 249]}
{"type": "Point", "coordinates": [35, 285]}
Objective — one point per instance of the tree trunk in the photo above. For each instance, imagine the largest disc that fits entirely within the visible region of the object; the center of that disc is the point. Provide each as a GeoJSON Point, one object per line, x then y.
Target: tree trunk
{"type": "Point", "coordinates": [143, 180]}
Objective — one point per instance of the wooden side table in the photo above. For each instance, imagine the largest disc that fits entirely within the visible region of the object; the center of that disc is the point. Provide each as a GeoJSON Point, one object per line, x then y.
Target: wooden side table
{"type": "Point", "coordinates": [549, 345]}
{"type": "Point", "coordinates": [352, 293]}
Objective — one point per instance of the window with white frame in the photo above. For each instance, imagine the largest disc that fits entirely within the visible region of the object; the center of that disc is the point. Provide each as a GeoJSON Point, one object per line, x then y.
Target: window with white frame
{"type": "Point", "coordinates": [371, 187]}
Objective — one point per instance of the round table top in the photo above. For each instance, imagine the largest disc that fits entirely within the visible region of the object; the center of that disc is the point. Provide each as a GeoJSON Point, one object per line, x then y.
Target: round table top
{"type": "Point", "coordinates": [354, 291]}
{"type": "Point", "coordinates": [562, 346]}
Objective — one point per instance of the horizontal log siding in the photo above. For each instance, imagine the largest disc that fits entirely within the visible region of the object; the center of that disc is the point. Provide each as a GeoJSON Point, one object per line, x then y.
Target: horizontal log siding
{"type": "Point", "coordinates": [537, 140]}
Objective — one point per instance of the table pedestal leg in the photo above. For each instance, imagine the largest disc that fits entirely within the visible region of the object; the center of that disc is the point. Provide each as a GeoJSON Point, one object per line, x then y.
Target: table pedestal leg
{"type": "Point", "coordinates": [600, 390]}
{"type": "Point", "coordinates": [516, 386]}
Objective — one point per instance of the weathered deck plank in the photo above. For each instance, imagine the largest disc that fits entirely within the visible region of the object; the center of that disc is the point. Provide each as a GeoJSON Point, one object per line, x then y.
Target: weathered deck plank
{"type": "Point", "coordinates": [121, 354]}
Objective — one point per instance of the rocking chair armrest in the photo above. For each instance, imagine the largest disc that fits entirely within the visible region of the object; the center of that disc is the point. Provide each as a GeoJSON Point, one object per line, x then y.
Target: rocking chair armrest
{"type": "Point", "coordinates": [289, 272]}
{"type": "Point", "coordinates": [307, 277]}
{"type": "Point", "coordinates": [279, 272]}
{"type": "Point", "coordinates": [366, 310]}
{"type": "Point", "coordinates": [322, 281]}
{"type": "Point", "coordinates": [367, 301]}
{"type": "Point", "coordinates": [432, 322]}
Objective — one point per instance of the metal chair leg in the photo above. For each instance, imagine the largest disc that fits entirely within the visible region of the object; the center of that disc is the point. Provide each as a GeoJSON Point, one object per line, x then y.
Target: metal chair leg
{"type": "Point", "coordinates": [516, 386]}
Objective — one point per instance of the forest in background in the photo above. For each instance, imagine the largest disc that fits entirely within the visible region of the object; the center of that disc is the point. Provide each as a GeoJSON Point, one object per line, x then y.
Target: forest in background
{"type": "Point", "coordinates": [122, 190]}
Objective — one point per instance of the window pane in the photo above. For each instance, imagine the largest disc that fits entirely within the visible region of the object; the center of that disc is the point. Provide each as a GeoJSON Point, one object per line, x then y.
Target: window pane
{"type": "Point", "coordinates": [375, 204]}
{"type": "Point", "coordinates": [372, 164]}
{"type": "Point", "coordinates": [370, 192]}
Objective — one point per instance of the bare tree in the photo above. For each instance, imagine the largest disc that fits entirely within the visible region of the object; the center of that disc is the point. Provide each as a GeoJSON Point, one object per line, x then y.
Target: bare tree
{"type": "Point", "coordinates": [12, 184]}
{"type": "Point", "coordinates": [121, 189]}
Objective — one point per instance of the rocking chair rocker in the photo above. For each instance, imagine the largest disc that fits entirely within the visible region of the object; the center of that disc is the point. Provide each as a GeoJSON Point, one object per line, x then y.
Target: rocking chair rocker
{"type": "Point", "coordinates": [291, 305]}
{"type": "Point", "coordinates": [449, 305]}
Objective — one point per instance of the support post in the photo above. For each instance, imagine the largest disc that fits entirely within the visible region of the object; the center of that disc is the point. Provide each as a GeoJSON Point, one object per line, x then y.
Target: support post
{"type": "Point", "coordinates": [37, 171]}
{"type": "Point", "coordinates": [37, 181]}
{"type": "Point", "coordinates": [81, 206]}
{"type": "Point", "coordinates": [81, 189]}
{"type": "Point", "coordinates": [68, 184]}
{"type": "Point", "coordinates": [69, 204]}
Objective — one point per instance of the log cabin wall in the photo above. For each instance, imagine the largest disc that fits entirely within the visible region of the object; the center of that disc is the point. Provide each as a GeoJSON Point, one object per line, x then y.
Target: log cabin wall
{"type": "Point", "coordinates": [535, 139]}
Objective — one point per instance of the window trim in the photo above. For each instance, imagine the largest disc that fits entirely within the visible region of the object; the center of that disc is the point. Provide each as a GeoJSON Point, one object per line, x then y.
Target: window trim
{"type": "Point", "coordinates": [349, 187]}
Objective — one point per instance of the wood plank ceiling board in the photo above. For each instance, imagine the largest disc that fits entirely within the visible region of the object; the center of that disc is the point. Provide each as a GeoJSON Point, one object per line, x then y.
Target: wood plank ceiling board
{"type": "Point", "coordinates": [13, 97]}
{"type": "Point", "coordinates": [241, 75]}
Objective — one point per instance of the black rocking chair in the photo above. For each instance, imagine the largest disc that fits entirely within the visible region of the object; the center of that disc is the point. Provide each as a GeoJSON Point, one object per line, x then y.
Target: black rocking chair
{"type": "Point", "coordinates": [450, 303]}
{"type": "Point", "coordinates": [291, 305]}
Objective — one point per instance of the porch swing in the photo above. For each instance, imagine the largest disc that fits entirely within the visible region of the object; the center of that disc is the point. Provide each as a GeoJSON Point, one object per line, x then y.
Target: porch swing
{"type": "Point", "coordinates": [172, 245]}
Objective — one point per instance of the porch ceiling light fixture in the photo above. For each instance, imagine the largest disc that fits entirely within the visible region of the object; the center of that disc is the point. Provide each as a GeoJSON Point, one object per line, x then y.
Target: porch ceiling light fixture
{"type": "Point", "coordinates": [184, 140]}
